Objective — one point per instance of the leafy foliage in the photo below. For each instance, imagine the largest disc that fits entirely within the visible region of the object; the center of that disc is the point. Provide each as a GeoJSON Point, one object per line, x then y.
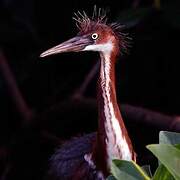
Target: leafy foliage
{"type": "Point", "coordinates": [169, 157]}
{"type": "Point", "coordinates": [167, 152]}
{"type": "Point", "coordinates": [162, 173]}
{"type": "Point", "coordinates": [128, 170]}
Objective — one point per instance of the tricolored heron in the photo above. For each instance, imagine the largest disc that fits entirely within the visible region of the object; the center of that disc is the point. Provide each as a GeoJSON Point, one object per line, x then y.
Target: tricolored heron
{"type": "Point", "coordinates": [90, 156]}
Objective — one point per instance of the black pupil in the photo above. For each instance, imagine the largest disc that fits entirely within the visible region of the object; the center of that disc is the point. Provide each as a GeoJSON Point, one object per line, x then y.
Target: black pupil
{"type": "Point", "coordinates": [94, 36]}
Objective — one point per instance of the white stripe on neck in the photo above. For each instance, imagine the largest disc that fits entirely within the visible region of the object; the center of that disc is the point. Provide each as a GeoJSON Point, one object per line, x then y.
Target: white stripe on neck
{"type": "Point", "coordinates": [112, 125]}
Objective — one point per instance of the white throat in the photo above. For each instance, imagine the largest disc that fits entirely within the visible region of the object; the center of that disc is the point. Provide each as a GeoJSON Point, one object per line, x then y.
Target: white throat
{"type": "Point", "coordinates": [105, 48]}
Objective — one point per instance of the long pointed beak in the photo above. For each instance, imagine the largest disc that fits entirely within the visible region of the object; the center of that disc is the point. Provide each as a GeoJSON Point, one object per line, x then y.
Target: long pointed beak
{"type": "Point", "coordinates": [75, 44]}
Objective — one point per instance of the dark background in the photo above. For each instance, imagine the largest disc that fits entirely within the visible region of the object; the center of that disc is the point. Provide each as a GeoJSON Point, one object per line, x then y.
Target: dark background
{"type": "Point", "coordinates": [148, 76]}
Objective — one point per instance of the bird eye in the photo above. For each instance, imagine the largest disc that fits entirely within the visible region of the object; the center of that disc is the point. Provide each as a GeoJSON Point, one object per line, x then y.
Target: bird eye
{"type": "Point", "coordinates": [94, 36]}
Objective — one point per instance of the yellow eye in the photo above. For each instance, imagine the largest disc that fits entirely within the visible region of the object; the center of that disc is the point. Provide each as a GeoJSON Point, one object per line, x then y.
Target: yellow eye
{"type": "Point", "coordinates": [94, 36]}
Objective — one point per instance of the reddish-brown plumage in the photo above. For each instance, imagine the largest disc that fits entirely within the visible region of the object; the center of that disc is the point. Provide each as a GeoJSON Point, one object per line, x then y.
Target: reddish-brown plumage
{"type": "Point", "coordinates": [111, 140]}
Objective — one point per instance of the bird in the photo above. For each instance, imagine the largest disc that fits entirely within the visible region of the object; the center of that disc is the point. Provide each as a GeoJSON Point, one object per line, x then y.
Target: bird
{"type": "Point", "coordinates": [90, 157]}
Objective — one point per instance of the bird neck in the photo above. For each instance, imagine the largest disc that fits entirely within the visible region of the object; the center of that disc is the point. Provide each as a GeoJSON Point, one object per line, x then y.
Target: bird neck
{"type": "Point", "coordinates": [112, 139]}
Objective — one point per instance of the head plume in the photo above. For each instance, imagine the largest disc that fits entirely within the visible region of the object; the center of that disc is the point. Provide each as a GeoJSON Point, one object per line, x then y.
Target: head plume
{"type": "Point", "coordinates": [85, 24]}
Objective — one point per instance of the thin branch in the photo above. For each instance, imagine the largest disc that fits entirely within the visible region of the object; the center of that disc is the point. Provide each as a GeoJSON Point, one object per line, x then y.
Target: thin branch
{"type": "Point", "coordinates": [146, 116]}
{"type": "Point", "coordinates": [140, 115]}
{"type": "Point", "coordinates": [14, 91]}
{"type": "Point", "coordinates": [79, 92]}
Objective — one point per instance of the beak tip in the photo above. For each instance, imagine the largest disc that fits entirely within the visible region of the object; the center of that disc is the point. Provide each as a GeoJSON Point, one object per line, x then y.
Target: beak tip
{"type": "Point", "coordinates": [42, 55]}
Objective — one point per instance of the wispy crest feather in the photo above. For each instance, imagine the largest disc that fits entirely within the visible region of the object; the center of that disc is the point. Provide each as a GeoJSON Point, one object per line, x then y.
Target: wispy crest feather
{"type": "Point", "coordinates": [85, 23]}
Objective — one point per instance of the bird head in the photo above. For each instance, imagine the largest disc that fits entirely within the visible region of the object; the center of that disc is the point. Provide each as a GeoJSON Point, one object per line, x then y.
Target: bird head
{"type": "Point", "coordinates": [94, 35]}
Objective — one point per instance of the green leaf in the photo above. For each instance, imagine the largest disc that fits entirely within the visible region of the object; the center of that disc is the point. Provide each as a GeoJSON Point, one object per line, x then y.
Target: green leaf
{"type": "Point", "coordinates": [166, 137]}
{"type": "Point", "coordinates": [177, 146]}
{"type": "Point", "coordinates": [169, 156]}
{"type": "Point", "coordinates": [162, 174]}
{"type": "Point", "coordinates": [131, 17]}
{"type": "Point", "coordinates": [127, 170]}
